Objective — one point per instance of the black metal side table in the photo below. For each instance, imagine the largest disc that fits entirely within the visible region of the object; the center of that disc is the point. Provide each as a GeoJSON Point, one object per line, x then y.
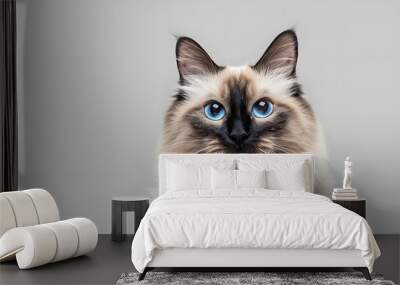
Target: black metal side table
{"type": "Point", "coordinates": [121, 204]}
{"type": "Point", "coordinates": [358, 206]}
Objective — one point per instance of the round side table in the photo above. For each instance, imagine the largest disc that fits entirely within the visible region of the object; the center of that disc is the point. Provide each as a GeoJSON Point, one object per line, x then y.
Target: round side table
{"type": "Point", "coordinates": [121, 204]}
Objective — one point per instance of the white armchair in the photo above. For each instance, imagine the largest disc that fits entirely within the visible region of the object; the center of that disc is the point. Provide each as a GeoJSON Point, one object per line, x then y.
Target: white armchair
{"type": "Point", "coordinates": [31, 230]}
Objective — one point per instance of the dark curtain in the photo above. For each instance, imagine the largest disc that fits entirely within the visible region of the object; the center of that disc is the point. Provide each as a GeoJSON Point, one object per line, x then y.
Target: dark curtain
{"type": "Point", "coordinates": [8, 97]}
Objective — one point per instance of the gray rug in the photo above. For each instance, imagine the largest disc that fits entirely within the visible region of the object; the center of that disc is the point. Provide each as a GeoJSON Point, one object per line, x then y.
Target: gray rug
{"type": "Point", "coordinates": [232, 278]}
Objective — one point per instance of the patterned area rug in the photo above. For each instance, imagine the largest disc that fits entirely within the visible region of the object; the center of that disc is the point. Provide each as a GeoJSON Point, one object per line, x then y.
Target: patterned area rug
{"type": "Point", "coordinates": [231, 278]}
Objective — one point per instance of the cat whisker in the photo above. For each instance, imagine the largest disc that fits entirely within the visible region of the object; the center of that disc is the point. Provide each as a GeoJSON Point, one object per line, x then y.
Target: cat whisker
{"type": "Point", "coordinates": [211, 147]}
{"type": "Point", "coordinates": [281, 144]}
{"type": "Point", "coordinates": [271, 145]}
{"type": "Point", "coordinates": [260, 149]}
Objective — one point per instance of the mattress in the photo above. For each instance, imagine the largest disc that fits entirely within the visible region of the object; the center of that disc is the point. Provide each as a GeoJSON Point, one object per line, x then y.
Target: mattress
{"type": "Point", "coordinates": [251, 219]}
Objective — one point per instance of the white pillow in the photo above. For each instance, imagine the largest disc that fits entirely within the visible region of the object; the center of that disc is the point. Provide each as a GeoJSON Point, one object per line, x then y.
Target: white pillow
{"type": "Point", "coordinates": [251, 178]}
{"type": "Point", "coordinates": [223, 179]}
{"type": "Point", "coordinates": [281, 175]}
{"type": "Point", "coordinates": [226, 179]}
{"type": "Point", "coordinates": [189, 174]}
{"type": "Point", "coordinates": [187, 177]}
{"type": "Point", "coordinates": [293, 178]}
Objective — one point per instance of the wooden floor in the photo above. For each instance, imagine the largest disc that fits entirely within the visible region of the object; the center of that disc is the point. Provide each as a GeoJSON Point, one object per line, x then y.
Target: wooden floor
{"type": "Point", "coordinates": [110, 260]}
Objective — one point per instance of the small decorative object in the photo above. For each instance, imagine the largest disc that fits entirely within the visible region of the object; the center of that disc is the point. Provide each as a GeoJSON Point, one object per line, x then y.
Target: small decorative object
{"type": "Point", "coordinates": [347, 174]}
{"type": "Point", "coordinates": [346, 192]}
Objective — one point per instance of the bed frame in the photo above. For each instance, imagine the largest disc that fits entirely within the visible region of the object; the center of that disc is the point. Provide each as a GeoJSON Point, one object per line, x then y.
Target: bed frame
{"type": "Point", "coordinates": [235, 259]}
{"type": "Point", "coordinates": [250, 259]}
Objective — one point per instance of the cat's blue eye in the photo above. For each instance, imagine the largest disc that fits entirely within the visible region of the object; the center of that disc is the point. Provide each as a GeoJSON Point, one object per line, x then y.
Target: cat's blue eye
{"type": "Point", "coordinates": [262, 108]}
{"type": "Point", "coordinates": [214, 111]}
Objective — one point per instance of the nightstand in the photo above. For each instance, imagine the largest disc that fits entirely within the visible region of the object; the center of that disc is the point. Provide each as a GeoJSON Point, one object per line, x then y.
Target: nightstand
{"type": "Point", "coordinates": [139, 205]}
{"type": "Point", "coordinates": [358, 206]}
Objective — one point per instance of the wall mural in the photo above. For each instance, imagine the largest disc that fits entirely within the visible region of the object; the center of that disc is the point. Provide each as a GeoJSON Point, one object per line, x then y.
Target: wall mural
{"type": "Point", "coordinates": [246, 109]}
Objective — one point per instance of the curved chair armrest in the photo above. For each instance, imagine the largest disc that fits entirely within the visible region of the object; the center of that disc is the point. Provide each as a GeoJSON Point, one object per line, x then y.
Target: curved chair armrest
{"type": "Point", "coordinates": [40, 244]}
{"type": "Point", "coordinates": [32, 246]}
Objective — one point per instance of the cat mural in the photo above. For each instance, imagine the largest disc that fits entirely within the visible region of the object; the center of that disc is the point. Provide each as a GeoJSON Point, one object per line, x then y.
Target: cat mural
{"type": "Point", "coordinates": [246, 109]}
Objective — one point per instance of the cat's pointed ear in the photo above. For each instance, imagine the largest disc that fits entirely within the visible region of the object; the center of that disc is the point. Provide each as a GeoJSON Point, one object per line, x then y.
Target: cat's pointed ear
{"type": "Point", "coordinates": [192, 59]}
{"type": "Point", "coordinates": [281, 55]}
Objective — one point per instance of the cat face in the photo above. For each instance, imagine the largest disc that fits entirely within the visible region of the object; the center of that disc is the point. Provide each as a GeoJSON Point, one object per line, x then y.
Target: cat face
{"type": "Point", "coordinates": [248, 109]}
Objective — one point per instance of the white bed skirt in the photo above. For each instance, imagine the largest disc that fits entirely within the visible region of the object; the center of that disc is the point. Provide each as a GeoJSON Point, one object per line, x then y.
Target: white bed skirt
{"type": "Point", "coordinates": [236, 257]}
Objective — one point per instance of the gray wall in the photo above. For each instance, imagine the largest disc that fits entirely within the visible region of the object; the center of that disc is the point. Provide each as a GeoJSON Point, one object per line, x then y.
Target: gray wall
{"type": "Point", "coordinates": [96, 77]}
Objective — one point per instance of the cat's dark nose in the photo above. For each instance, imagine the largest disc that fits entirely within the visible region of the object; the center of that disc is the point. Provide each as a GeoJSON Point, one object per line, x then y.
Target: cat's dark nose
{"type": "Point", "coordinates": [239, 138]}
{"type": "Point", "coordinates": [238, 133]}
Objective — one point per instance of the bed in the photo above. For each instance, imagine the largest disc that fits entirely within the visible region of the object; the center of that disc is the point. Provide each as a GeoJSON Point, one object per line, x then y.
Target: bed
{"type": "Point", "coordinates": [247, 211]}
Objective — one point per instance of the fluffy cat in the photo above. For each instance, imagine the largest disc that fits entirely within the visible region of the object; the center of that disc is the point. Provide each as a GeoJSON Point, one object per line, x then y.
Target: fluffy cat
{"type": "Point", "coordinates": [247, 109]}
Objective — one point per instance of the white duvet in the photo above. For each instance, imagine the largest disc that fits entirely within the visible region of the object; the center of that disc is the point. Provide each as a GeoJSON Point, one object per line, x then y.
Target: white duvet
{"type": "Point", "coordinates": [250, 219]}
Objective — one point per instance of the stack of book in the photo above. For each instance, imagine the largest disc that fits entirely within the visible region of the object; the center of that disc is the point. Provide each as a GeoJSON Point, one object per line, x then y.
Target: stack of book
{"type": "Point", "coordinates": [344, 194]}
